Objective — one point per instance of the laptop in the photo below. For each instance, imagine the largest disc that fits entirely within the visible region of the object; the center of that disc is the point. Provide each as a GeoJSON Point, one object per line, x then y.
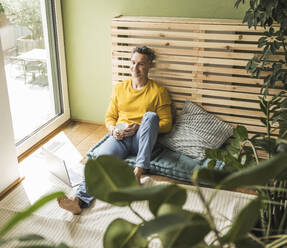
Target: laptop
{"type": "Point", "coordinates": [71, 174]}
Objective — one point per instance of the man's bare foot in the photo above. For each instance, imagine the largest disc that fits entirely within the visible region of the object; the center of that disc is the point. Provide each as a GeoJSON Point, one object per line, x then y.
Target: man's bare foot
{"type": "Point", "coordinates": [71, 205]}
{"type": "Point", "coordinates": [138, 173]}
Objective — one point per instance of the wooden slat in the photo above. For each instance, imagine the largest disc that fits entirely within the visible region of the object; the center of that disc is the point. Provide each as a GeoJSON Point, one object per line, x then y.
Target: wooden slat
{"type": "Point", "coordinates": [226, 110]}
{"type": "Point", "coordinates": [220, 102]}
{"type": "Point", "coordinates": [192, 44]}
{"type": "Point", "coordinates": [224, 87]}
{"type": "Point", "coordinates": [185, 35]}
{"type": "Point", "coordinates": [241, 120]}
{"type": "Point", "coordinates": [186, 26]}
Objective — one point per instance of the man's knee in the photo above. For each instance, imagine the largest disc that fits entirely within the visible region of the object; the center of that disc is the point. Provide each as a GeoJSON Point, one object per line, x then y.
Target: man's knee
{"type": "Point", "coordinates": [152, 116]}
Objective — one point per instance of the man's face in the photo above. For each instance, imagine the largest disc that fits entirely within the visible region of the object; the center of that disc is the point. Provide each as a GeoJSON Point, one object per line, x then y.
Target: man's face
{"type": "Point", "coordinates": [140, 66]}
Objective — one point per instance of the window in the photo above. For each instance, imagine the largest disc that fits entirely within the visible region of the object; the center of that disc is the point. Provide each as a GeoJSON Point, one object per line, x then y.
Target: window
{"type": "Point", "coordinates": [33, 49]}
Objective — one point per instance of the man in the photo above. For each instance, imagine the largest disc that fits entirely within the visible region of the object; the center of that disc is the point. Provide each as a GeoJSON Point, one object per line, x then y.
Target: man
{"type": "Point", "coordinates": [145, 107]}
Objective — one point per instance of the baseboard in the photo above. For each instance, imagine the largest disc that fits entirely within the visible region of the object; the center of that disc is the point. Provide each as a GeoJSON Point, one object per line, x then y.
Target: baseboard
{"type": "Point", "coordinates": [88, 122]}
{"type": "Point", "coordinates": [10, 187]}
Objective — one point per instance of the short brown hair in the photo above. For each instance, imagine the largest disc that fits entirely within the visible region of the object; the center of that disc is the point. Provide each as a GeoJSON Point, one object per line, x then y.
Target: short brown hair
{"type": "Point", "coordinates": [145, 50]}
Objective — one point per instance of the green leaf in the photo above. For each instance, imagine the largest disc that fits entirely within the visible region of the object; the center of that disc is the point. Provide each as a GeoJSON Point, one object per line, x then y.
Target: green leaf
{"type": "Point", "coordinates": [276, 44]}
{"type": "Point", "coordinates": [241, 133]}
{"type": "Point", "coordinates": [174, 195]}
{"type": "Point", "coordinates": [36, 246]}
{"type": "Point", "coordinates": [106, 174]}
{"type": "Point", "coordinates": [26, 213]}
{"type": "Point", "coordinates": [192, 235]}
{"type": "Point", "coordinates": [193, 228]}
{"type": "Point", "coordinates": [123, 234]}
{"type": "Point", "coordinates": [264, 121]}
{"type": "Point", "coordinates": [211, 163]}
{"type": "Point", "coordinates": [146, 193]}
{"type": "Point", "coordinates": [256, 175]}
{"type": "Point", "coordinates": [244, 221]}
{"type": "Point", "coordinates": [2, 242]}
{"type": "Point", "coordinates": [237, 3]}
{"type": "Point", "coordinates": [211, 176]}
{"type": "Point", "coordinates": [62, 245]}
{"type": "Point", "coordinates": [30, 237]}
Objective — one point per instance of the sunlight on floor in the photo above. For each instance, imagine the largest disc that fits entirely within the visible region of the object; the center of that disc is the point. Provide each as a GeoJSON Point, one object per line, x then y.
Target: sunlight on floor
{"type": "Point", "coordinates": [35, 168]}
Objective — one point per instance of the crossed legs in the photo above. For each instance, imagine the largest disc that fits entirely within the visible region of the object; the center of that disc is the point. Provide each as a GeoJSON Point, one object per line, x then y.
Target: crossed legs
{"type": "Point", "coordinates": [141, 144]}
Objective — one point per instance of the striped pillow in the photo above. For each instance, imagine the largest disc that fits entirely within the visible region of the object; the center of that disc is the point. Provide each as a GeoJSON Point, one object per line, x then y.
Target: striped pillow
{"type": "Point", "coordinates": [195, 130]}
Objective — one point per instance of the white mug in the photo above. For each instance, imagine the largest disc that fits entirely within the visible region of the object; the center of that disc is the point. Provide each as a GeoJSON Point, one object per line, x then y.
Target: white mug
{"type": "Point", "coordinates": [120, 127]}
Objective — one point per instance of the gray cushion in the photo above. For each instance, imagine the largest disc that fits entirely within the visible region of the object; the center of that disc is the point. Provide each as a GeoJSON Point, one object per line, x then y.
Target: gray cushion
{"type": "Point", "coordinates": [195, 130]}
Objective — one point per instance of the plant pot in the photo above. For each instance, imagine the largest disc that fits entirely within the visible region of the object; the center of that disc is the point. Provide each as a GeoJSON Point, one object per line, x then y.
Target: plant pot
{"type": "Point", "coordinates": [25, 44]}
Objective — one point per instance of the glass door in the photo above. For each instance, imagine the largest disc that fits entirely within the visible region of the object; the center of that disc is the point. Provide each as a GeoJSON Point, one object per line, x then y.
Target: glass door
{"type": "Point", "coordinates": [32, 45]}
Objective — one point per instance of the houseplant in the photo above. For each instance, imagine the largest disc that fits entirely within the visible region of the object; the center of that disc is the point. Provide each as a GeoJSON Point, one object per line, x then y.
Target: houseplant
{"type": "Point", "coordinates": [272, 15]}
{"type": "Point", "coordinates": [29, 240]}
{"type": "Point", "coordinates": [174, 226]}
{"type": "Point", "coordinates": [27, 14]}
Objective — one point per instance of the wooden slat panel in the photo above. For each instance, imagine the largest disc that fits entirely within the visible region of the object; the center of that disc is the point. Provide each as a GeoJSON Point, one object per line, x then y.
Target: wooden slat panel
{"type": "Point", "coordinates": [197, 59]}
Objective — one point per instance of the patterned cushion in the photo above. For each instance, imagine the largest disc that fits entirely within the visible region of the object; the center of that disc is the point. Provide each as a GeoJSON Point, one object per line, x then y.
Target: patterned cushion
{"type": "Point", "coordinates": [195, 130]}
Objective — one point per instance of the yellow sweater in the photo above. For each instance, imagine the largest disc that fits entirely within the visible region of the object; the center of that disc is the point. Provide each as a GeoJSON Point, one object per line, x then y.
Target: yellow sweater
{"type": "Point", "coordinates": [129, 105]}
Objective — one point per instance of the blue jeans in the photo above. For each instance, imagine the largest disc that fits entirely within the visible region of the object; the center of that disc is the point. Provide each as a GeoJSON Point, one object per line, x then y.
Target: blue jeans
{"type": "Point", "coordinates": [140, 144]}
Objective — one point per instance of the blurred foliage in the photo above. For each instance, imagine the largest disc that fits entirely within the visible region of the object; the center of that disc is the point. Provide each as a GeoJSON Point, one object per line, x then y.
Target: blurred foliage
{"type": "Point", "coordinates": [26, 13]}
{"type": "Point", "coordinates": [173, 225]}
{"type": "Point", "coordinates": [28, 240]}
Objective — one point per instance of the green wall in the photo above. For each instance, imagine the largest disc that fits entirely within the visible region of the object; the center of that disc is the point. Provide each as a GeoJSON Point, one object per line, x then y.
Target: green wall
{"type": "Point", "coordinates": [88, 45]}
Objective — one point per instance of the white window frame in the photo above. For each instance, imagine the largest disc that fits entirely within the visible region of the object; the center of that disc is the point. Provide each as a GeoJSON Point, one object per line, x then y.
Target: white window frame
{"type": "Point", "coordinates": [65, 116]}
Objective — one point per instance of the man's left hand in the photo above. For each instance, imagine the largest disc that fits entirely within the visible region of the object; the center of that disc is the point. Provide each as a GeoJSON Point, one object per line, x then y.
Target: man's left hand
{"type": "Point", "coordinates": [131, 130]}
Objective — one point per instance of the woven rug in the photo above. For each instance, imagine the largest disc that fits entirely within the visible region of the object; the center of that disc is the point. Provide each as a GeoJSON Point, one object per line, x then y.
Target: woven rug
{"type": "Point", "coordinates": [87, 229]}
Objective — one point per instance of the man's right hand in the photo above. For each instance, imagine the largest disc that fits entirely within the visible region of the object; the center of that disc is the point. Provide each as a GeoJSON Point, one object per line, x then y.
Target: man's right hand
{"type": "Point", "coordinates": [117, 135]}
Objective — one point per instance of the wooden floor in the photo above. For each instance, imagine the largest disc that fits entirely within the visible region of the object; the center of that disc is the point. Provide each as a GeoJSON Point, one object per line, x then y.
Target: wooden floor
{"type": "Point", "coordinates": [85, 135]}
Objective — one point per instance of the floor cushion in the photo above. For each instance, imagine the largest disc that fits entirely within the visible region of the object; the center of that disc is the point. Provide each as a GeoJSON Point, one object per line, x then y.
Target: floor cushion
{"type": "Point", "coordinates": [166, 162]}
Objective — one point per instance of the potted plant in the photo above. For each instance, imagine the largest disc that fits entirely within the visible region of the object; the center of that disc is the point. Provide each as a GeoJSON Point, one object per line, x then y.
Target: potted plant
{"type": "Point", "coordinates": [27, 14]}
